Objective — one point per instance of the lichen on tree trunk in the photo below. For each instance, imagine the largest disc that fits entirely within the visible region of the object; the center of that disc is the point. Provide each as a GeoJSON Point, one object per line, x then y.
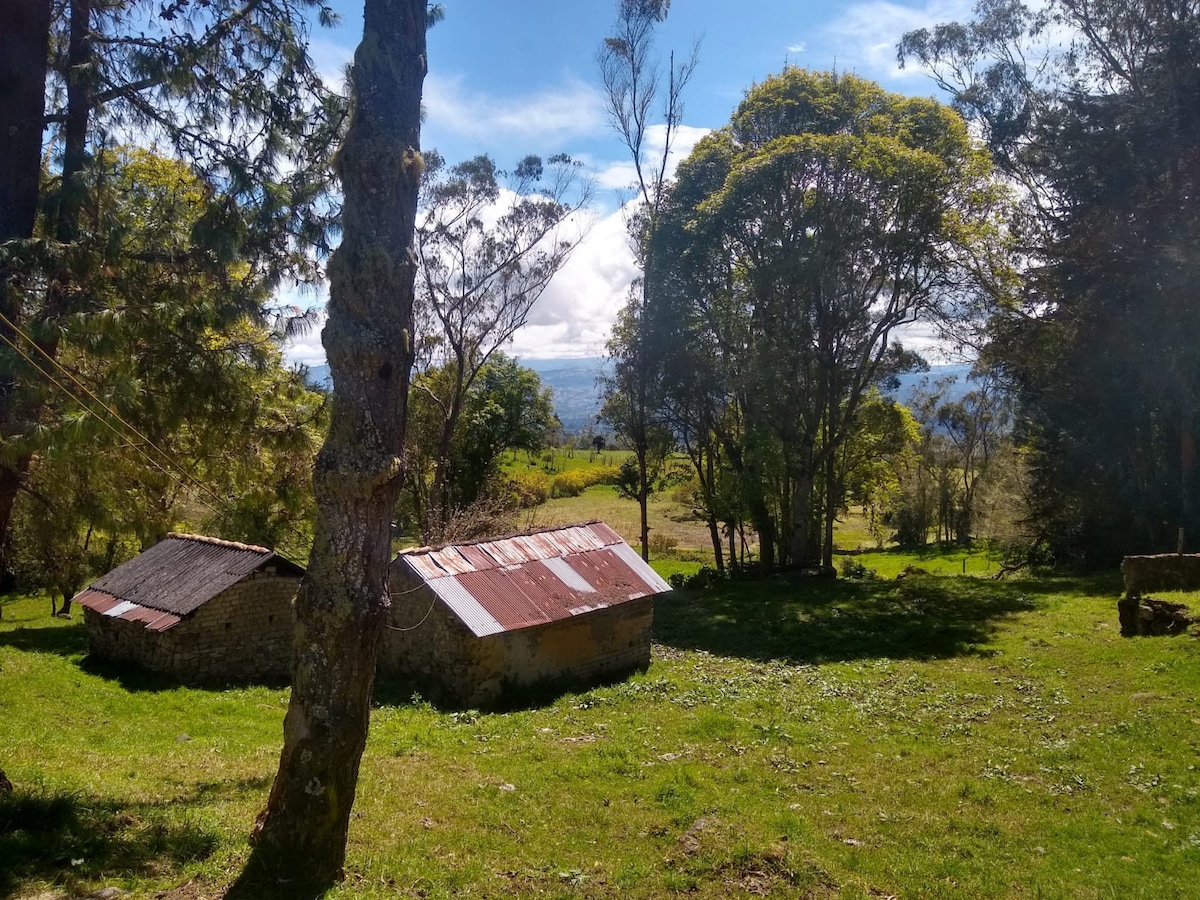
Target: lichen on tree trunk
{"type": "Point", "coordinates": [342, 604]}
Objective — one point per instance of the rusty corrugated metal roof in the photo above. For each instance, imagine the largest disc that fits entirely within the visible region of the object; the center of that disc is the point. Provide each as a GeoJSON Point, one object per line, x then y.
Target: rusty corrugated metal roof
{"type": "Point", "coordinates": [532, 579]}
{"type": "Point", "coordinates": [108, 605]}
{"type": "Point", "coordinates": [177, 576]}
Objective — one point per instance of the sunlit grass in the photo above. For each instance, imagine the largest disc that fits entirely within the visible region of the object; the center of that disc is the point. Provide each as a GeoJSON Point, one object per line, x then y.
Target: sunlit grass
{"type": "Point", "coordinates": [933, 737]}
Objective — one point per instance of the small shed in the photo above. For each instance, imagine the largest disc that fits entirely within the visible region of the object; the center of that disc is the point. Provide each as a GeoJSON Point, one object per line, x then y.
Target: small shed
{"type": "Point", "coordinates": [483, 623]}
{"type": "Point", "coordinates": [197, 608]}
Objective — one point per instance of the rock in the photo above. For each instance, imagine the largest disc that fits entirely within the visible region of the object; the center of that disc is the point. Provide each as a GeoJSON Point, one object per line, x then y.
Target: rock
{"type": "Point", "coordinates": [1162, 572]}
{"type": "Point", "coordinates": [1148, 616]}
{"type": "Point", "coordinates": [108, 893]}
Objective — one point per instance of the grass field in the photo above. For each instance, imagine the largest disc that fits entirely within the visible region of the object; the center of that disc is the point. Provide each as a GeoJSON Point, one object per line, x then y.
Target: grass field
{"type": "Point", "coordinates": [933, 737]}
{"type": "Point", "coordinates": [672, 520]}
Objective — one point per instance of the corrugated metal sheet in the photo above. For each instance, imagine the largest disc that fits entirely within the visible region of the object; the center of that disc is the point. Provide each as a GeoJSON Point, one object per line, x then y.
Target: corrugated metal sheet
{"type": "Point", "coordinates": [568, 576]}
{"type": "Point", "coordinates": [631, 559]}
{"type": "Point", "coordinates": [466, 607]}
{"type": "Point", "coordinates": [533, 579]}
{"type": "Point", "coordinates": [108, 605]}
{"type": "Point", "coordinates": [182, 572]}
{"type": "Point", "coordinates": [95, 600]}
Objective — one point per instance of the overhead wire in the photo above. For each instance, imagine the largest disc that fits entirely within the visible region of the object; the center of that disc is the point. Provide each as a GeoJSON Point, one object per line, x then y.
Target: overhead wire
{"type": "Point", "coordinates": [183, 477]}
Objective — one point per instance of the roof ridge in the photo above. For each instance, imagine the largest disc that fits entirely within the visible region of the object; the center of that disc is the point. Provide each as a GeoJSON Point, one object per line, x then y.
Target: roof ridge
{"type": "Point", "coordinates": [412, 551]}
{"type": "Point", "coordinates": [205, 539]}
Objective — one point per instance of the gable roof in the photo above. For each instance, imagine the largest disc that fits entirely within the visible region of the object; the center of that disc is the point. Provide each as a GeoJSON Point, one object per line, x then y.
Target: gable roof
{"type": "Point", "coordinates": [176, 577]}
{"type": "Point", "coordinates": [536, 578]}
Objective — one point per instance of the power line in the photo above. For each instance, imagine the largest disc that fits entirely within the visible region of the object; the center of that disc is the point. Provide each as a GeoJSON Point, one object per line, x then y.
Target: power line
{"type": "Point", "coordinates": [183, 478]}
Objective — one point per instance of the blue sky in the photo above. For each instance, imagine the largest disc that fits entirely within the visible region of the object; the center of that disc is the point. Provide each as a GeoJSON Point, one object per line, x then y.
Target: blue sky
{"type": "Point", "coordinates": [513, 77]}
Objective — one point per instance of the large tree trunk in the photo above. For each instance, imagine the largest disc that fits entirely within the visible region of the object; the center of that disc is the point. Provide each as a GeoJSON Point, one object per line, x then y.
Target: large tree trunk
{"type": "Point", "coordinates": [644, 500]}
{"type": "Point", "coordinates": [343, 603]}
{"type": "Point", "coordinates": [24, 49]}
{"type": "Point", "coordinates": [831, 504]}
{"type": "Point", "coordinates": [802, 508]}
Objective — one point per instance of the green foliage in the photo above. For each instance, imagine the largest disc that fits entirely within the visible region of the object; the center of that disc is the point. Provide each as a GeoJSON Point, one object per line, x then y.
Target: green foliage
{"type": "Point", "coordinates": [169, 74]}
{"type": "Point", "coordinates": [786, 254]}
{"type": "Point", "coordinates": [504, 408]}
{"type": "Point", "coordinates": [1100, 124]}
{"type": "Point", "coordinates": [855, 570]}
{"type": "Point", "coordinates": [703, 578]}
{"type": "Point", "coordinates": [483, 264]}
{"type": "Point", "coordinates": [179, 412]}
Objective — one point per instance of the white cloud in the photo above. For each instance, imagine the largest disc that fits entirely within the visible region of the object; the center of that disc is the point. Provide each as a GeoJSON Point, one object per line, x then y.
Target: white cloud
{"type": "Point", "coordinates": [305, 348]}
{"type": "Point", "coordinates": [572, 111]}
{"type": "Point", "coordinates": [330, 59]}
{"type": "Point", "coordinates": [864, 36]}
{"type": "Point", "coordinates": [574, 315]}
{"type": "Point", "coordinates": [623, 176]}
{"type": "Point", "coordinates": [924, 338]}
{"type": "Point", "coordinates": [798, 47]}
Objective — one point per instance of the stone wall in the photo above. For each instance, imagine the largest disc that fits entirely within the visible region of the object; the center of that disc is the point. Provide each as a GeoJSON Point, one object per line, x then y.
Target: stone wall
{"type": "Point", "coordinates": [243, 633]}
{"type": "Point", "coordinates": [447, 663]}
{"type": "Point", "coordinates": [1163, 572]}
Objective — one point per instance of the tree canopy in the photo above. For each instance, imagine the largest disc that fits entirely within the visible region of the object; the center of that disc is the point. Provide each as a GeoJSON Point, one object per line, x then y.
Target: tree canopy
{"type": "Point", "coordinates": [793, 244]}
{"type": "Point", "coordinates": [1093, 108]}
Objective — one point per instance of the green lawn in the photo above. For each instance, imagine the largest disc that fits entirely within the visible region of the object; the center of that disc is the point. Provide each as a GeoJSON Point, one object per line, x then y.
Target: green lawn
{"type": "Point", "coordinates": [554, 461]}
{"type": "Point", "coordinates": [667, 518]}
{"type": "Point", "coordinates": [934, 737]}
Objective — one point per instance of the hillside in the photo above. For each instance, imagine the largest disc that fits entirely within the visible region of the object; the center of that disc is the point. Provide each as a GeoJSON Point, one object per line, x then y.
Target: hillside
{"type": "Point", "coordinates": [577, 388]}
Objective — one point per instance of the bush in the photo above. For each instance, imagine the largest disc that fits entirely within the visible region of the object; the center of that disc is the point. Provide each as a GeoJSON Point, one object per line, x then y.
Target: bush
{"type": "Point", "coordinates": [574, 482]}
{"type": "Point", "coordinates": [662, 544]}
{"type": "Point", "coordinates": [528, 489]}
{"type": "Point", "coordinates": [705, 577]}
{"type": "Point", "coordinates": [856, 571]}
{"type": "Point", "coordinates": [688, 493]}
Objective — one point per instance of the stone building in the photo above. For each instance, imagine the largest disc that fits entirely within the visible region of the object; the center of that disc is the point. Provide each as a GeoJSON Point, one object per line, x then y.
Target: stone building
{"type": "Point", "coordinates": [487, 623]}
{"type": "Point", "coordinates": [197, 608]}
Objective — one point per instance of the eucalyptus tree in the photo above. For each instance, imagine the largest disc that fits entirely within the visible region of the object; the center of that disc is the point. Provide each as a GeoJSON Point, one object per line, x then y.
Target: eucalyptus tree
{"type": "Point", "coordinates": [976, 427]}
{"type": "Point", "coordinates": [488, 243]}
{"type": "Point", "coordinates": [505, 408]}
{"type": "Point", "coordinates": [369, 341]}
{"type": "Point", "coordinates": [626, 408]}
{"type": "Point", "coordinates": [633, 90]}
{"type": "Point", "coordinates": [1093, 107]}
{"type": "Point", "coordinates": [834, 213]}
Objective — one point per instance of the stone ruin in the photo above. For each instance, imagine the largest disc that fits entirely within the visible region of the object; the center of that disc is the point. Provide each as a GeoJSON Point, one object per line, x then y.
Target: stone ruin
{"type": "Point", "coordinates": [1148, 616]}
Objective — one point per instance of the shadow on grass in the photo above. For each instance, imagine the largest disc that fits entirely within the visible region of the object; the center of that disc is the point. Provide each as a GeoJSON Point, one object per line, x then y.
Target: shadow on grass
{"type": "Point", "coordinates": [401, 690]}
{"type": "Point", "coordinates": [135, 679]}
{"type": "Point", "coordinates": [61, 640]}
{"type": "Point", "coordinates": [265, 878]}
{"type": "Point", "coordinates": [810, 620]}
{"type": "Point", "coordinates": [73, 840]}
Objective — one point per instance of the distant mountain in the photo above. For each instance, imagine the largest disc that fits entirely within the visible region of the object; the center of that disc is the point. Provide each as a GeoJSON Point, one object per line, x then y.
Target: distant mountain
{"type": "Point", "coordinates": [576, 385]}
{"type": "Point", "coordinates": [318, 377]}
{"type": "Point", "coordinates": [913, 382]}
{"type": "Point", "coordinates": [574, 382]}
